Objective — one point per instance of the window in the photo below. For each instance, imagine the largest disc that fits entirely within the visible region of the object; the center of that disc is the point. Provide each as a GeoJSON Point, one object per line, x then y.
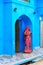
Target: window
{"type": "Point", "coordinates": [26, 0]}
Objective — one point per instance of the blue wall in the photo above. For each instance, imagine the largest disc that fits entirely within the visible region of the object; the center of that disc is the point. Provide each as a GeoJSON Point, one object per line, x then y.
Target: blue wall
{"type": "Point", "coordinates": [39, 7]}
{"type": "Point", "coordinates": [27, 10]}
{"type": "Point", "coordinates": [8, 18]}
{"type": "Point", "coordinates": [7, 28]}
{"type": "Point", "coordinates": [39, 11]}
{"type": "Point", "coordinates": [1, 27]}
{"type": "Point", "coordinates": [7, 1]}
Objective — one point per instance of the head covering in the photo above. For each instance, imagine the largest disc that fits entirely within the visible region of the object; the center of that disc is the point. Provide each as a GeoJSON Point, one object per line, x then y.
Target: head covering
{"type": "Point", "coordinates": [27, 28]}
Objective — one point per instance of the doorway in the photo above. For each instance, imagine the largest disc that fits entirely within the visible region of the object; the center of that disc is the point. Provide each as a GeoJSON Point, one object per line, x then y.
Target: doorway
{"type": "Point", "coordinates": [41, 33]}
{"type": "Point", "coordinates": [21, 23]}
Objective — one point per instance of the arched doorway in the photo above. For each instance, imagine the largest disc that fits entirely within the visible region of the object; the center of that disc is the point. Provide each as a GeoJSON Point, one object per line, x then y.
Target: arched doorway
{"type": "Point", "coordinates": [21, 23]}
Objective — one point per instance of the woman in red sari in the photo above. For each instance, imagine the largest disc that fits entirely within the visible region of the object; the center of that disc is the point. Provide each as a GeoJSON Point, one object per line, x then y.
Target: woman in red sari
{"type": "Point", "coordinates": [27, 37]}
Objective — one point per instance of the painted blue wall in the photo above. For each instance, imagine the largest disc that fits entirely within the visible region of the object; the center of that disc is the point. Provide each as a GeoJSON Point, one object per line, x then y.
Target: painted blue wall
{"type": "Point", "coordinates": [8, 18]}
{"type": "Point", "coordinates": [39, 11]}
{"type": "Point", "coordinates": [1, 27]}
{"type": "Point", "coordinates": [7, 0]}
{"type": "Point", "coordinates": [28, 11]}
{"type": "Point", "coordinates": [7, 28]}
{"type": "Point", "coordinates": [39, 7]}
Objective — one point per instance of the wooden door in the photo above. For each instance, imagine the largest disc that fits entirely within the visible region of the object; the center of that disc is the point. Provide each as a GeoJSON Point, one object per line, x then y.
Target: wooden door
{"type": "Point", "coordinates": [17, 36]}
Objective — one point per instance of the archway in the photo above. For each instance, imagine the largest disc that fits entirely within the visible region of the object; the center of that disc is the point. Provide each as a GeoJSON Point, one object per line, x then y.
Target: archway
{"type": "Point", "coordinates": [21, 23]}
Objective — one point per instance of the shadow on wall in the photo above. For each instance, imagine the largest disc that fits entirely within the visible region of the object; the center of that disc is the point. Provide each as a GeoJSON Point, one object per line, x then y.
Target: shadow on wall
{"type": "Point", "coordinates": [21, 23]}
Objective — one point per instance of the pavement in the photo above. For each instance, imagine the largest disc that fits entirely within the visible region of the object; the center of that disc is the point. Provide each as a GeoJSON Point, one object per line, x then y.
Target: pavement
{"type": "Point", "coordinates": [21, 58]}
